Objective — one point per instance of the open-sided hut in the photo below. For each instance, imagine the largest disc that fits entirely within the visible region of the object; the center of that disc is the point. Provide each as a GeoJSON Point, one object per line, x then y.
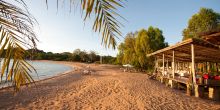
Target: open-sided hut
{"type": "Point", "coordinates": [190, 60]}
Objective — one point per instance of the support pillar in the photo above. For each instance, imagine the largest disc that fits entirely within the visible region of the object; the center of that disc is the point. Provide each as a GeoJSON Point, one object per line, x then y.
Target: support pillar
{"type": "Point", "coordinates": [173, 65]}
{"type": "Point", "coordinates": [193, 64]}
{"type": "Point", "coordinates": [155, 68]}
{"type": "Point", "coordinates": [189, 89]}
{"type": "Point", "coordinates": [163, 65]}
{"type": "Point", "coordinates": [195, 86]}
{"type": "Point", "coordinates": [163, 71]}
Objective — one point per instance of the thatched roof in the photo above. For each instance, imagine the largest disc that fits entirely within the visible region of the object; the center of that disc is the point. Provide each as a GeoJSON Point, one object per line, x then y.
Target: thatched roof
{"type": "Point", "coordinates": [204, 51]}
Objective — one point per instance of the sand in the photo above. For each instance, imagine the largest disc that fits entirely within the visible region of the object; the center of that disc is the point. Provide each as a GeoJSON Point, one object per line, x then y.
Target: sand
{"type": "Point", "coordinates": [107, 87]}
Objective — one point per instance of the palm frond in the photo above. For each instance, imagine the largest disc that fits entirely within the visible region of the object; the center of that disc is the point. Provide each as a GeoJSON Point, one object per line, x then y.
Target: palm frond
{"type": "Point", "coordinates": [16, 35]}
{"type": "Point", "coordinates": [106, 18]}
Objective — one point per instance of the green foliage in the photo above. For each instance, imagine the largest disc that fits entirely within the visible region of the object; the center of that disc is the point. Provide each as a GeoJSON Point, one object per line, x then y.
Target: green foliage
{"type": "Point", "coordinates": [137, 45]}
{"type": "Point", "coordinates": [77, 56]}
{"type": "Point", "coordinates": [142, 47]}
{"type": "Point", "coordinates": [206, 20]}
{"type": "Point", "coordinates": [147, 42]}
{"type": "Point", "coordinates": [92, 56]}
{"type": "Point", "coordinates": [120, 55]}
{"type": "Point", "coordinates": [108, 60]}
{"type": "Point", "coordinates": [129, 48]}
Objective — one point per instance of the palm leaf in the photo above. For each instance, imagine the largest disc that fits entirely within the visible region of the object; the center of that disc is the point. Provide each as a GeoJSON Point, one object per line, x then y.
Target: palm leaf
{"type": "Point", "coordinates": [105, 18]}
{"type": "Point", "coordinates": [16, 35]}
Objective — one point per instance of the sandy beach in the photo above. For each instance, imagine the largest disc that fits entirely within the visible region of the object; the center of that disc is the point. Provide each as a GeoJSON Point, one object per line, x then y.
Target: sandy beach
{"type": "Point", "coordinates": [107, 87]}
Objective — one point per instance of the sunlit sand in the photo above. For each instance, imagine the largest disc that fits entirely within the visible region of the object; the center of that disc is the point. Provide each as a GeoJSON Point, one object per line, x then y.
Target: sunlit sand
{"type": "Point", "coordinates": [107, 87]}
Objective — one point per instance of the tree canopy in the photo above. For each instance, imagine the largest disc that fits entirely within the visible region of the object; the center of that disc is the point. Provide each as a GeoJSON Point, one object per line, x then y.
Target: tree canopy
{"type": "Point", "coordinates": [137, 45]}
{"type": "Point", "coordinates": [206, 20]}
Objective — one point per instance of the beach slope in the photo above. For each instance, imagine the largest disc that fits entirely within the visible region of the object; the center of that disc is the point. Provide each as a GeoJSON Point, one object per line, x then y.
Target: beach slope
{"type": "Point", "coordinates": [107, 87]}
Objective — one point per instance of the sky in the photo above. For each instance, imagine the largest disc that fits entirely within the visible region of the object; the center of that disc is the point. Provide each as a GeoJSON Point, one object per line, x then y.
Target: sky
{"type": "Point", "coordinates": [64, 31]}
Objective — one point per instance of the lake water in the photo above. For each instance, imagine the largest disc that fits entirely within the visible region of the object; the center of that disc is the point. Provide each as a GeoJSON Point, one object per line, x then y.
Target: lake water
{"type": "Point", "coordinates": [44, 70]}
{"type": "Point", "coordinates": [47, 69]}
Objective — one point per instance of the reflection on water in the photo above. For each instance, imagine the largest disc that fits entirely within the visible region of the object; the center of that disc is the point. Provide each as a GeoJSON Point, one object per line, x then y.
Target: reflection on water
{"type": "Point", "coordinates": [47, 69]}
{"type": "Point", "coordinates": [44, 70]}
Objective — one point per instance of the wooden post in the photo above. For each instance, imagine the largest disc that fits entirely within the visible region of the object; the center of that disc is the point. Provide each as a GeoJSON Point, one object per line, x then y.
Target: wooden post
{"type": "Point", "coordinates": [193, 64]}
{"type": "Point", "coordinates": [163, 65]}
{"type": "Point", "coordinates": [155, 64]}
{"type": "Point", "coordinates": [188, 90]}
{"type": "Point", "coordinates": [195, 87]}
{"type": "Point", "coordinates": [173, 64]}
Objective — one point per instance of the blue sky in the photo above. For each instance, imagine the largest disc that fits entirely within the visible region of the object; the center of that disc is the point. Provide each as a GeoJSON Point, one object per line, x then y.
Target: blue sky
{"type": "Point", "coordinates": [61, 31]}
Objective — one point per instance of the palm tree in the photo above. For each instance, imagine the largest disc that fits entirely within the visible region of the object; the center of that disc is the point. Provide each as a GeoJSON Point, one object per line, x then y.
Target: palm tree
{"type": "Point", "coordinates": [16, 33]}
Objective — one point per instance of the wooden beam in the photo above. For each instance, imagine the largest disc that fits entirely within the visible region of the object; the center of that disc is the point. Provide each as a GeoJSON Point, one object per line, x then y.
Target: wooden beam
{"type": "Point", "coordinates": [193, 64]}
{"type": "Point", "coordinates": [207, 57]}
{"type": "Point", "coordinates": [198, 57]}
{"type": "Point", "coordinates": [187, 42]}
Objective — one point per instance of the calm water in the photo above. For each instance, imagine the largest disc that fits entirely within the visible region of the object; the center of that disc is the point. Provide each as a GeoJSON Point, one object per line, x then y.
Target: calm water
{"type": "Point", "coordinates": [47, 69]}
{"type": "Point", "coordinates": [44, 70]}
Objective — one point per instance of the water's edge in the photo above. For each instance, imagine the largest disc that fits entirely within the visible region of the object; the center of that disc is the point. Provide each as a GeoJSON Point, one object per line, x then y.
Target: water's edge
{"type": "Point", "coordinates": [49, 76]}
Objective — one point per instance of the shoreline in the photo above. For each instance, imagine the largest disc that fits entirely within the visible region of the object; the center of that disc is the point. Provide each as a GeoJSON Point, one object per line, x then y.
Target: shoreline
{"type": "Point", "coordinates": [48, 78]}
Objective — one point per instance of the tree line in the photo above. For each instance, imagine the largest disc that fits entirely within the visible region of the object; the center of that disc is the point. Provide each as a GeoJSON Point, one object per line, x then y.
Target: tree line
{"type": "Point", "coordinates": [76, 56]}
